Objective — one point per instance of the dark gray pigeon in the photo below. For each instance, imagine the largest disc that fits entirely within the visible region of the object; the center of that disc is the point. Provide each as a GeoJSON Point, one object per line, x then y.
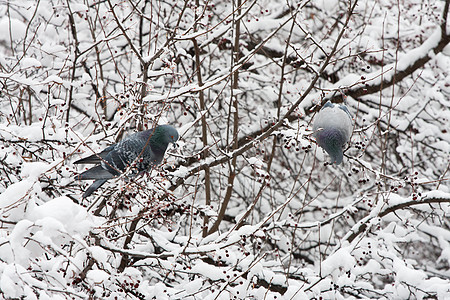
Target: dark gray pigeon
{"type": "Point", "coordinates": [332, 128]}
{"type": "Point", "coordinates": [143, 149]}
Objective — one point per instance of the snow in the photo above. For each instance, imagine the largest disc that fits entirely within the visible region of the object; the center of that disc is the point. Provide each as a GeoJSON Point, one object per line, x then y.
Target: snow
{"type": "Point", "coordinates": [53, 79]}
{"type": "Point", "coordinates": [34, 169]}
{"type": "Point", "coordinates": [78, 7]}
{"type": "Point", "coordinates": [11, 29]}
{"type": "Point", "coordinates": [56, 101]}
{"type": "Point", "coordinates": [64, 214]}
{"type": "Point", "coordinates": [30, 62]}
{"type": "Point", "coordinates": [193, 286]}
{"type": "Point", "coordinates": [181, 172]}
{"type": "Point", "coordinates": [97, 276]}
{"type": "Point", "coordinates": [328, 5]}
{"type": "Point", "coordinates": [54, 49]}
{"type": "Point", "coordinates": [11, 205]}
{"type": "Point", "coordinates": [340, 259]}
{"type": "Point", "coordinates": [408, 275]}
{"type": "Point", "coordinates": [8, 286]}
{"type": "Point", "coordinates": [99, 254]}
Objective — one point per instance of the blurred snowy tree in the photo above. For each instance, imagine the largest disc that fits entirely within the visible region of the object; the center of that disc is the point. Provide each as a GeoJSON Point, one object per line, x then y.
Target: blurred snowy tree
{"type": "Point", "coordinates": [247, 206]}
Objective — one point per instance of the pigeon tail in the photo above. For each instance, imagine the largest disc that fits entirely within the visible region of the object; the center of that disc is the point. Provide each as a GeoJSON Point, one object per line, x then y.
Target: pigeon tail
{"type": "Point", "coordinates": [98, 183]}
{"type": "Point", "coordinates": [97, 172]}
{"type": "Point", "coordinates": [95, 158]}
{"type": "Point", "coordinates": [336, 157]}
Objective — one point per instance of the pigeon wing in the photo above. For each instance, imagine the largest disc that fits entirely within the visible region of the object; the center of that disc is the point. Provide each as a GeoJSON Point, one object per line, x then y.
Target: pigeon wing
{"type": "Point", "coordinates": [136, 149]}
{"type": "Point", "coordinates": [95, 158]}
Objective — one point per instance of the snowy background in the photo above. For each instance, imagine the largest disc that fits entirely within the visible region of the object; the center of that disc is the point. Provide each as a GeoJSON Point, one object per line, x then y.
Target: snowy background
{"type": "Point", "coordinates": [246, 206]}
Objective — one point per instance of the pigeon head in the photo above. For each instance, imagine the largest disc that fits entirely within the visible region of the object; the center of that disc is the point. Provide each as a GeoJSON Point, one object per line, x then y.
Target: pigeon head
{"type": "Point", "coordinates": [163, 135]}
{"type": "Point", "coordinates": [332, 129]}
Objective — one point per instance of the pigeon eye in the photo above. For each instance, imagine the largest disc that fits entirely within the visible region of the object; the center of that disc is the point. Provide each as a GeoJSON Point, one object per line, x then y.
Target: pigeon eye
{"type": "Point", "coordinates": [171, 136]}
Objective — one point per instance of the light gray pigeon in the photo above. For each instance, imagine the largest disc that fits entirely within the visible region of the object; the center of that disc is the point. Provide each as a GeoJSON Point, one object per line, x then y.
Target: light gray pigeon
{"type": "Point", "coordinates": [143, 149]}
{"type": "Point", "coordinates": [332, 128]}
